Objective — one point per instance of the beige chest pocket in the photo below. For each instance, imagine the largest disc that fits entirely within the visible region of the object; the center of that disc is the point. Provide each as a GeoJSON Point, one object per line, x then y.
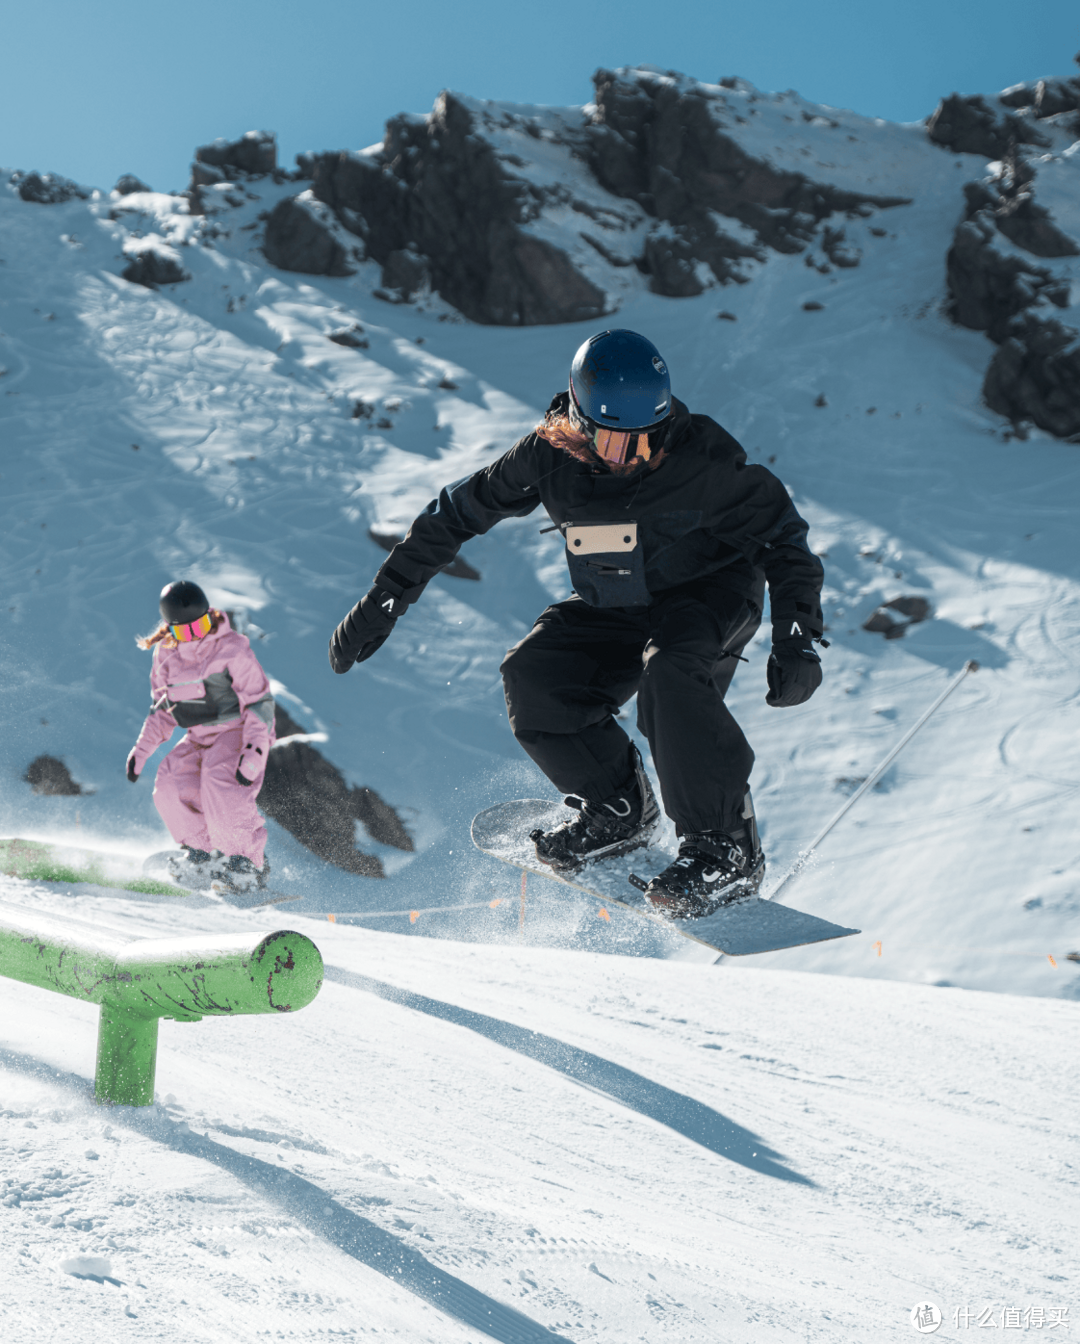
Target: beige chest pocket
{"type": "Point", "coordinates": [601, 538]}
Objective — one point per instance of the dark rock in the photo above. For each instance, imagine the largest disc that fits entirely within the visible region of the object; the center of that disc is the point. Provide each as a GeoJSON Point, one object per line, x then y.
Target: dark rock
{"type": "Point", "coordinates": [670, 261]}
{"type": "Point", "coordinates": [439, 192]}
{"type": "Point", "coordinates": [206, 175]}
{"type": "Point", "coordinates": [50, 776]}
{"type": "Point", "coordinates": [1030, 226]}
{"type": "Point", "coordinates": [296, 240]}
{"type": "Point", "coordinates": [839, 251]}
{"type": "Point", "coordinates": [914, 608]}
{"type": "Point", "coordinates": [1019, 95]}
{"type": "Point", "coordinates": [1035, 375]}
{"type": "Point", "coordinates": [47, 188]}
{"type": "Point", "coordinates": [129, 184]}
{"type": "Point", "coordinates": [673, 253]}
{"type": "Point", "coordinates": [308, 795]}
{"type": "Point", "coordinates": [657, 141]}
{"type": "Point", "coordinates": [253, 155]}
{"type": "Point", "coordinates": [727, 317]}
{"type": "Point", "coordinates": [151, 267]}
{"type": "Point", "coordinates": [988, 287]}
{"type": "Point", "coordinates": [405, 272]}
{"type": "Point", "coordinates": [351, 338]}
{"type": "Point", "coordinates": [971, 126]}
{"type": "Point", "coordinates": [1054, 96]}
{"type": "Point", "coordinates": [812, 306]}
{"type": "Point", "coordinates": [1009, 203]}
{"type": "Point", "coordinates": [882, 620]}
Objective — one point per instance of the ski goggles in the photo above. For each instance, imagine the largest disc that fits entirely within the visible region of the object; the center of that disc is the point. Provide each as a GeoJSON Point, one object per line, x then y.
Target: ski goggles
{"type": "Point", "coordinates": [183, 634]}
{"type": "Point", "coordinates": [614, 445]}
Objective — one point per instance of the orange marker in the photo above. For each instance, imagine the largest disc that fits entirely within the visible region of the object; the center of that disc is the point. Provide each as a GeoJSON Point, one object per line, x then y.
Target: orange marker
{"type": "Point", "coordinates": [414, 915]}
{"type": "Point", "coordinates": [332, 918]}
{"type": "Point", "coordinates": [878, 946]}
{"type": "Point", "coordinates": [603, 914]}
{"type": "Point", "coordinates": [494, 903]}
{"type": "Point", "coordinates": [1051, 960]}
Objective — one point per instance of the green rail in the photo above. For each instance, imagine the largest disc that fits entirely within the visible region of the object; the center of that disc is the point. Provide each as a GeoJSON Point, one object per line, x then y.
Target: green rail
{"type": "Point", "coordinates": [138, 983]}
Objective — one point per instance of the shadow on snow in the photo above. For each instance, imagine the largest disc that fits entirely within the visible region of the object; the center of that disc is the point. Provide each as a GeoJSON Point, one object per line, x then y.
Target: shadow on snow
{"type": "Point", "coordinates": [685, 1115]}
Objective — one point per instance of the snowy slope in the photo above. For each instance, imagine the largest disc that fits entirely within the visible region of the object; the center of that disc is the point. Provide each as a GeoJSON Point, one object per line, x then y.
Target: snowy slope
{"type": "Point", "coordinates": [482, 1128]}
{"type": "Point", "coordinates": [255, 474]}
{"type": "Point", "coordinates": [464, 1143]}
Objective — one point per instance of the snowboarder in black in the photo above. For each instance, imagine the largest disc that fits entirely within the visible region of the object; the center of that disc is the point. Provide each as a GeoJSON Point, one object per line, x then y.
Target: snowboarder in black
{"type": "Point", "coordinates": [670, 537]}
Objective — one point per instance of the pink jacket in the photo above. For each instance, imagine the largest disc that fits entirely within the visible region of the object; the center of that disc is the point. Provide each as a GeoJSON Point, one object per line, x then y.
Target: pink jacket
{"type": "Point", "coordinates": [206, 686]}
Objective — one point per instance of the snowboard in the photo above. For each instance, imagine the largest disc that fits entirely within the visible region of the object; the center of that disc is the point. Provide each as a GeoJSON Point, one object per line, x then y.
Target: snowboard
{"type": "Point", "coordinates": [157, 866]}
{"type": "Point", "coordinates": [738, 930]}
{"type": "Point", "coordinates": [42, 861]}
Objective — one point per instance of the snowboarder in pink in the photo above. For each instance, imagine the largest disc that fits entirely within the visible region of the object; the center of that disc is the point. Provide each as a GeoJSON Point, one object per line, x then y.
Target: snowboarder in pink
{"type": "Point", "coordinates": [206, 680]}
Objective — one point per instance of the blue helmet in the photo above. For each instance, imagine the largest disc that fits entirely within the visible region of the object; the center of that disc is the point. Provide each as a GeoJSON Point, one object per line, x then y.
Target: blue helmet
{"type": "Point", "coordinates": [619, 380]}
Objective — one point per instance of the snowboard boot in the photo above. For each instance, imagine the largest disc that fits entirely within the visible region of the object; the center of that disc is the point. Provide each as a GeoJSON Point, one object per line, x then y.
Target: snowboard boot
{"type": "Point", "coordinates": [601, 830]}
{"type": "Point", "coordinates": [714, 868]}
{"type": "Point", "coordinates": [239, 876]}
{"type": "Point", "coordinates": [191, 867]}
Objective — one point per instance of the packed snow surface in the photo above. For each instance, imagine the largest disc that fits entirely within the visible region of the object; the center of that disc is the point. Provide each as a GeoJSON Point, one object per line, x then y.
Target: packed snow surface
{"type": "Point", "coordinates": [461, 1142]}
{"type": "Point", "coordinates": [485, 1127]}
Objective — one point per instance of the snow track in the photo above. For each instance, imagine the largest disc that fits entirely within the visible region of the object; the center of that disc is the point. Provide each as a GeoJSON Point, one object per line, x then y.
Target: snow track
{"type": "Point", "coordinates": [517, 1144]}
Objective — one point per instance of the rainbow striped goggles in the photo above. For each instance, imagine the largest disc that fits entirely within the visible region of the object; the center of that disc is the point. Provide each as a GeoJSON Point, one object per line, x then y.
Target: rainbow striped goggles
{"type": "Point", "coordinates": [183, 634]}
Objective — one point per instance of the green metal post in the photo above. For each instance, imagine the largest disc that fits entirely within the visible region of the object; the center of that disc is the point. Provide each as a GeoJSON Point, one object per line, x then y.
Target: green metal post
{"type": "Point", "coordinates": [126, 1057]}
{"type": "Point", "coordinates": [138, 983]}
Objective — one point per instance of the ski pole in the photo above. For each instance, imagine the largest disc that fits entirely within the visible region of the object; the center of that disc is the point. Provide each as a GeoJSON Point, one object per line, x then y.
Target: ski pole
{"type": "Point", "coordinates": [871, 779]}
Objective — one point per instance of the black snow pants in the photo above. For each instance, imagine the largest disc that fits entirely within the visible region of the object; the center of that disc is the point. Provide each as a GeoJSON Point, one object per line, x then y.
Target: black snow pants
{"type": "Point", "coordinates": [566, 679]}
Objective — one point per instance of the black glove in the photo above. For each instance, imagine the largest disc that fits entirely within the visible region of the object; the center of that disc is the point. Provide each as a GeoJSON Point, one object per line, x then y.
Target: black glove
{"type": "Point", "coordinates": [366, 628]}
{"type": "Point", "coordinates": [131, 774]}
{"type": "Point", "coordinates": [794, 672]}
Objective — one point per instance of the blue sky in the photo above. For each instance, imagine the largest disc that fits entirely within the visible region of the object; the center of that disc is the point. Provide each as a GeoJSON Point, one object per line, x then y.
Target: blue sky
{"type": "Point", "coordinates": [96, 90]}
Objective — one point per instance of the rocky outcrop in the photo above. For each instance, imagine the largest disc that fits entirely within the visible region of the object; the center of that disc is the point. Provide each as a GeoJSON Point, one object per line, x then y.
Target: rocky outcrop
{"type": "Point", "coordinates": [129, 184]}
{"type": "Point", "coordinates": [46, 188]}
{"type": "Point", "coordinates": [297, 239]}
{"type": "Point", "coordinates": [152, 266]}
{"type": "Point", "coordinates": [893, 618]}
{"type": "Point", "coordinates": [306, 794]}
{"type": "Point", "coordinates": [442, 205]}
{"type": "Point", "coordinates": [1008, 202]}
{"type": "Point", "coordinates": [253, 155]}
{"type": "Point", "coordinates": [988, 287]}
{"type": "Point", "coordinates": [438, 205]}
{"type": "Point", "coordinates": [971, 126]}
{"type": "Point", "coordinates": [1045, 97]}
{"type": "Point", "coordinates": [1035, 375]}
{"type": "Point", "coordinates": [50, 776]}
{"type": "Point", "coordinates": [664, 143]}
{"type": "Point", "coordinates": [405, 273]}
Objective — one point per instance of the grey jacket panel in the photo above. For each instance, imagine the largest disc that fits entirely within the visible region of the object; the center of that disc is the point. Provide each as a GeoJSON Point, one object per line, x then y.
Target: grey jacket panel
{"type": "Point", "coordinates": [219, 703]}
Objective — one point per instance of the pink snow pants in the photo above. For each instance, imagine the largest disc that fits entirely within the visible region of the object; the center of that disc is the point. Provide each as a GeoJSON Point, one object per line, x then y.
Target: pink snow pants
{"type": "Point", "coordinates": [200, 801]}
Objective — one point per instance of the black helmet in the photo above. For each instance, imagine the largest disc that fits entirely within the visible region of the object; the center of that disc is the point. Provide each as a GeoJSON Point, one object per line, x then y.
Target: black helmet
{"type": "Point", "coordinates": [182, 602]}
{"type": "Point", "coordinates": [618, 381]}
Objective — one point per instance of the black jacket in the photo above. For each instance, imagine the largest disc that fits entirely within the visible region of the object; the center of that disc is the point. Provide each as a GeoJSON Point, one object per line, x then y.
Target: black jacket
{"type": "Point", "coordinates": [702, 511]}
